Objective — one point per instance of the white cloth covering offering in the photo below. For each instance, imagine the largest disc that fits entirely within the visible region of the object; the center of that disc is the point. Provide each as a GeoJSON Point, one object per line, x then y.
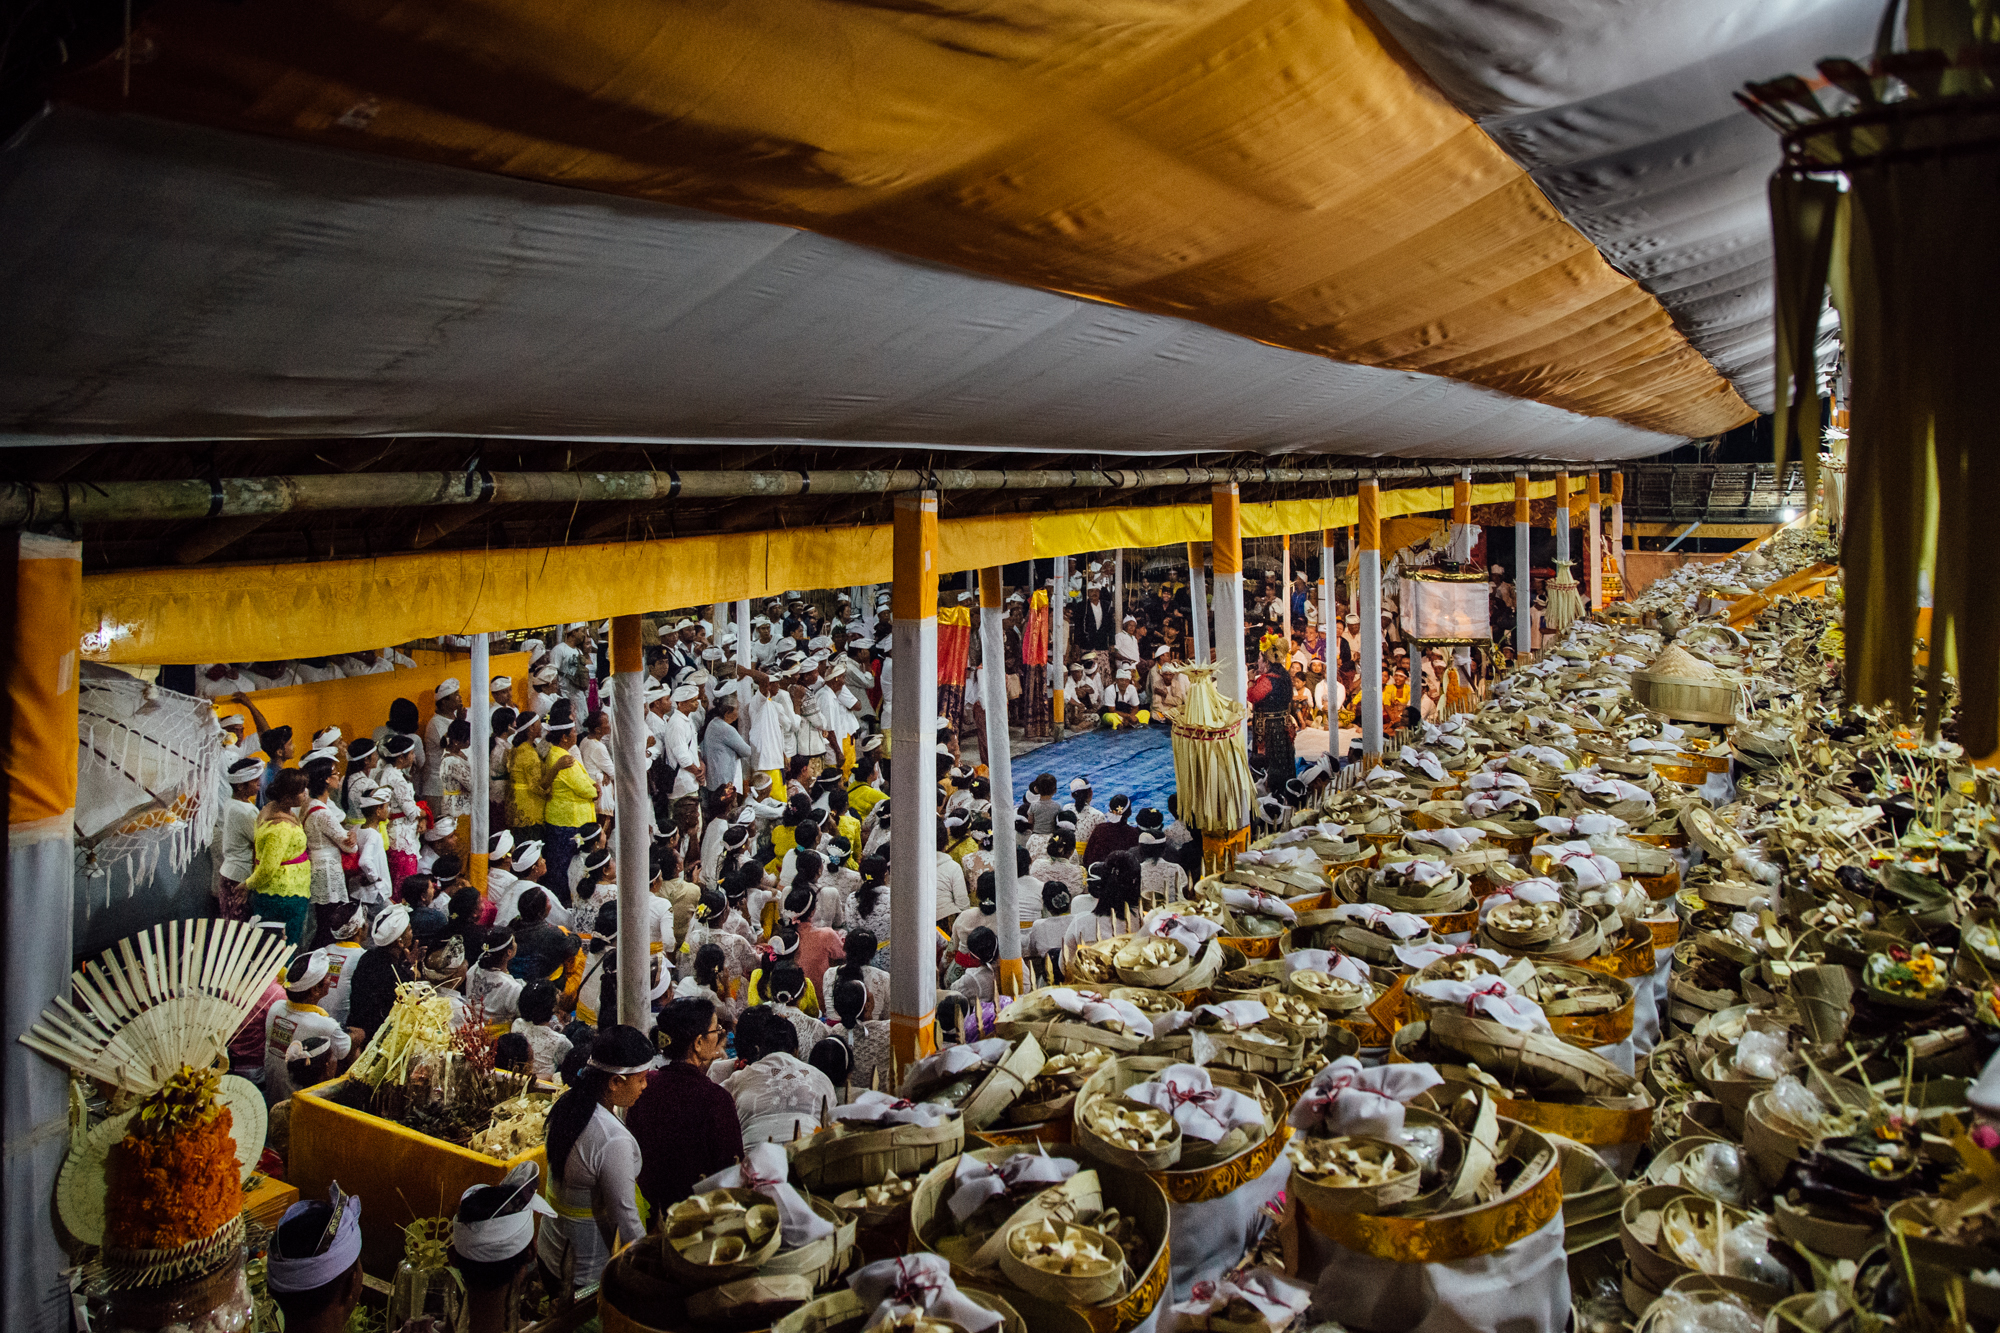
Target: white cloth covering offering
{"type": "Point", "coordinates": [1584, 825]}
{"type": "Point", "coordinates": [914, 1283]}
{"type": "Point", "coordinates": [1527, 891]}
{"type": "Point", "coordinates": [1330, 961]}
{"type": "Point", "coordinates": [884, 1108]}
{"type": "Point", "coordinates": [1191, 931]}
{"type": "Point", "coordinates": [1349, 1099]}
{"type": "Point", "coordinates": [1231, 1015]}
{"type": "Point", "coordinates": [1453, 840]}
{"type": "Point", "coordinates": [1423, 872]}
{"type": "Point", "coordinates": [1592, 870]}
{"type": "Point", "coordinates": [1420, 956]}
{"type": "Point", "coordinates": [955, 1060]}
{"type": "Point", "coordinates": [1490, 996]}
{"type": "Point", "coordinates": [1203, 1110]}
{"type": "Point", "coordinates": [974, 1182]}
{"type": "Point", "coordinates": [1102, 1009]}
{"type": "Point", "coordinates": [1403, 925]}
{"type": "Point", "coordinates": [1276, 1298]}
{"type": "Point", "coordinates": [763, 1169]}
{"type": "Point", "coordinates": [1256, 900]}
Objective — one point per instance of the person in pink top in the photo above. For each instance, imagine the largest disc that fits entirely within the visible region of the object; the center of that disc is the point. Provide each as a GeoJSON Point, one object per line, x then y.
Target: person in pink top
{"type": "Point", "coordinates": [820, 947]}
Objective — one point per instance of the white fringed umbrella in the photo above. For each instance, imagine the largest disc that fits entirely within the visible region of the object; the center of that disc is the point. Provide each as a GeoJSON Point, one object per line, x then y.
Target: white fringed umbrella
{"type": "Point", "coordinates": [149, 778]}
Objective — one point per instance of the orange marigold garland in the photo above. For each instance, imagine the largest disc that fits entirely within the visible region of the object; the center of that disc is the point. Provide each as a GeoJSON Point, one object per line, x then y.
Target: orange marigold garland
{"type": "Point", "coordinates": [173, 1179]}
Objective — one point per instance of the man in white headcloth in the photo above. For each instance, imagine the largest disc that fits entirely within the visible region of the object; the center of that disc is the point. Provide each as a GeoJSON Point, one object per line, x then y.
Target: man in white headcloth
{"type": "Point", "coordinates": [233, 846]}
{"type": "Point", "coordinates": [492, 1239]}
{"type": "Point", "coordinates": [834, 704]}
{"type": "Point", "coordinates": [1126, 645]}
{"type": "Point", "coordinates": [306, 981]}
{"type": "Point", "coordinates": [572, 664]}
{"type": "Point", "coordinates": [771, 721]}
{"type": "Point", "coordinates": [541, 690]}
{"type": "Point", "coordinates": [316, 1278]}
{"type": "Point", "coordinates": [370, 884]}
{"type": "Point", "coordinates": [500, 690]}
{"type": "Point", "coordinates": [681, 744]}
{"type": "Point", "coordinates": [447, 707]}
{"type": "Point", "coordinates": [762, 646]}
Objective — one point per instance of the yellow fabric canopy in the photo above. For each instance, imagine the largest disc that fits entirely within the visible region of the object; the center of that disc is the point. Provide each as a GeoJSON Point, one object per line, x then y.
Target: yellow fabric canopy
{"type": "Point", "coordinates": [1276, 169]}
{"type": "Point", "coordinates": [246, 613]}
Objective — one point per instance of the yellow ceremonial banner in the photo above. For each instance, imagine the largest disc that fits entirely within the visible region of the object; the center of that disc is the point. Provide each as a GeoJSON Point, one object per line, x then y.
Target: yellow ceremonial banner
{"type": "Point", "coordinates": [247, 613]}
{"type": "Point", "coordinates": [359, 704]}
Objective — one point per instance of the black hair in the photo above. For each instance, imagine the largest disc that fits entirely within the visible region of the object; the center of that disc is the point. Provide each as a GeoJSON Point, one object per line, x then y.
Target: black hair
{"type": "Point", "coordinates": [1021, 859]}
{"type": "Point", "coordinates": [952, 1010]}
{"type": "Point", "coordinates": [447, 868]}
{"type": "Point", "coordinates": [712, 906]}
{"type": "Point", "coordinates": [807, 866]}
{"type": "Point", "coordinates": [403, 717]}
{"type": "Point", "coordinates": [305, 1073]}
{"type": "Point", "coordinates": [799, 901]}
{"type": "Point", "coordinates": [1043, 785]}
{"type": "Point", "coordinates": [982, 944]}
{"type": "Point", "coordinates": [799, 807]}
{"type": "Point", "coordinates": [538, 1001]}
{"type": "Point", "coordinates": [619, 1047]}
{"type": "Point", "coordinates": [1121, 876]}
{"type": "Point", "coordinates": [860, 947]}
{"type": "Point", "coordinates": [752, 1026]}
{"type": "Point", "coordinates": [806, 833]}
{"type": "Point", "coordinates": [501, 721]}
{"type": "Point", "coordinates": [850, 998]}
{"type": "Point", "coordinates": [530, 908]}
{"type": "Point", "coordinates": [874, 883]}
{"type": "Point", "coordinates": [590, 722]}
{"type": "Point", "coordinates": [988, 892]}
{"type": "Point", "coordinates": [460, 731]}
{"type": "Point", "coordinates": [682, 1023]}
{"type": "Point", "coordinates": [319, 775]}
{"type": "Point", "coordinates": [1062, 845]}
{"type": "Point", "coordinates": [298, 1238]}
{"type": "Point", "coordinates": [411, 885]}
{"type": "Point", "coordinates": [1055, 898]}
{"type": "Point", "coordinates": [831, 1057]}
{"type": "Point", "coordinates": [513, 1053]}
{"type": "Point", "coordinates": [785, 982]}
{"type": "Point", "coordinates": [709, 960]}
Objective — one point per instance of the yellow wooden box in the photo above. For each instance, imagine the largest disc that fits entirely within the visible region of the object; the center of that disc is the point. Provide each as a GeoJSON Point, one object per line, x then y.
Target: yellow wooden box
{"type": "Point", "coordinates": [398, 1174]}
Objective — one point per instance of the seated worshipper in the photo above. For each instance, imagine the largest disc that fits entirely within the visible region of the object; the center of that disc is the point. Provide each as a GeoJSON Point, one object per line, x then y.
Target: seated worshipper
{"type": "Point", "coordinates": [280, 884]}
{"type": "Point", "coordinates": [594, 1161]}
{"type": "Point", "coordinates": [594, 887]}
{"type": "Point", "coordinates": [1114, 890]}
{"type": "Point", "coordinates": [344, 948]}
{"type": "Point", "coordinates": [389, 963]}
{"type": "Point", "coordinates": [708, 930]}
{"type": "Point", "coordinates": [979, 980]}
{"type": "Point", "coordinates": [707, 978]}
{"type": "Point", "coordinates": [427, 914]}
{"type": "Point", "coordinates": [309, 1062]}
{"type": "Point", "coordinates": [671, 885]}
{"type": "Point", "coordinates": [538, 1024]}
{"type": "Point", "coordinates": [952, 897]}
{"type": "Point", "coordinates": [979, 860]}
{"type": "Point", "coordinates": [686, 1125]}
{"type": "Point", "coordinates": [299, 1017]}
{"type": "Point", "coordinates": [778, 1096]}
{"type": "Point", "coordinates": [869, 908]}
{"type": "Point", "coordinates": [1058, 862]}
{"type": "Point", "coordinates": [525, 868]}
{"type": "Point", "coordinates": [1045, 937]}
{"type": "Point", "coordinates": [871, 1062]}
{"type": "Point", "coordinates": [1121, 703]}
{"type": "Point", "coordinates": [1161, 880]}
{"type": "Point", "coordinates": [866, 790]}
{"type": "Point", "coordinates": [787, 987]}
{"type": "Point", "coordinates": [315, 1277]}
{"type": "Point", "coordinates": [489, 984]}
{"type": "Point", "coordinates": [512, 1053]}
{"type": "Point", "coordinates": [542, 948]}
{"type": "Point", "coordinates": [1080, 700]}
{"type": "Point", "coordinates": [591, 839]}
{"type": "Point", "coordinates": [1088, 816]}
{"type": "Point", "coordinates": [859, 965]}
{"type": "Point", "coordinates": [981, 913]}
{"type": "Point", "coordinates": [1114, 834]}
{"type": "Point", "coordinates": [819, 946]}
{"type": "Point", "coordinates": [492, 1240]}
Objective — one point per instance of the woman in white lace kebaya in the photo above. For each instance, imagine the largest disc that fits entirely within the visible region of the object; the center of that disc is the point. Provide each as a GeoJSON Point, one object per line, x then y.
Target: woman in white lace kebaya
{"type": "Point", "coordinates": [594, 1161]}
{"type": "Point", "coordinates": [779, 1097]}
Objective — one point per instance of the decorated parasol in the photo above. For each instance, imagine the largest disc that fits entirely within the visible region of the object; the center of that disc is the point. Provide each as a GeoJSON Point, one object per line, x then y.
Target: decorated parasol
{"type": "Point", "coordinates": [1212, 767]}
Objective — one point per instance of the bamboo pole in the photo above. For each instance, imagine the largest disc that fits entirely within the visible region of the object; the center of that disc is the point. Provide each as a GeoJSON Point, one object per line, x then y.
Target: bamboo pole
{"type": "Point", "coordinates": [29, 503]}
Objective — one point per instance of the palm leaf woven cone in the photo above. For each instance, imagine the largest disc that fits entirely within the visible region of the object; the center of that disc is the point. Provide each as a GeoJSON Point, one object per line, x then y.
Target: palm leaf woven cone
{"type": "Point", "coordinates": [1211, 764]}
{"type": "Point", "coordinates": [1565, 605]}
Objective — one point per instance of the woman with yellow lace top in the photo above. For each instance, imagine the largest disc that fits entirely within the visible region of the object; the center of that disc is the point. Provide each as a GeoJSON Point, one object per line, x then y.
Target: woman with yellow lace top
{"type": "Point", "coordinates": [280, 887]}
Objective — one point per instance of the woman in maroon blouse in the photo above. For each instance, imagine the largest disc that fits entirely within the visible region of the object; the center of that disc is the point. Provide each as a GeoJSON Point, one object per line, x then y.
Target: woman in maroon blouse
{"type": "Point", "coordinates": [686, 1124]}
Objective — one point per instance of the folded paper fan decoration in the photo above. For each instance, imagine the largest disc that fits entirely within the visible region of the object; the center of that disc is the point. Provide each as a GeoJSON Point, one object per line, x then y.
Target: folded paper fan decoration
{"type": "Point", "coordinates": [159, 1000]}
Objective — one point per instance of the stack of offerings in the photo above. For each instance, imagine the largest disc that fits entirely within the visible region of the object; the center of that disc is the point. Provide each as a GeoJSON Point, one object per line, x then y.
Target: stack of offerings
{"type": "Point", "coordinates": [747, 1248]}
{"type": "Point", "coordinates": [1072, 1244]}
{"type": "Point", "coordinates": [1395, 1166]}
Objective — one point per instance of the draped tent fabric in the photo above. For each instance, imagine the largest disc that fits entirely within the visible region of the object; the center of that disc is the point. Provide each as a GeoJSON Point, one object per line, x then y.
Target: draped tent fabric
{"type": "Point", "coordinates": [242, 613]}
{"type": "Point", "coordinates": [1623, 114]}
{"type": "Point", "coordinates": [1276, 168]}
{"type": "Point", "coordinates": [172, 282]}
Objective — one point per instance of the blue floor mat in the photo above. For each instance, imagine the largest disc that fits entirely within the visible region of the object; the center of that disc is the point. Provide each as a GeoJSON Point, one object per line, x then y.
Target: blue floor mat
{"type": "Point", "coordinates": [1138, 762]}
